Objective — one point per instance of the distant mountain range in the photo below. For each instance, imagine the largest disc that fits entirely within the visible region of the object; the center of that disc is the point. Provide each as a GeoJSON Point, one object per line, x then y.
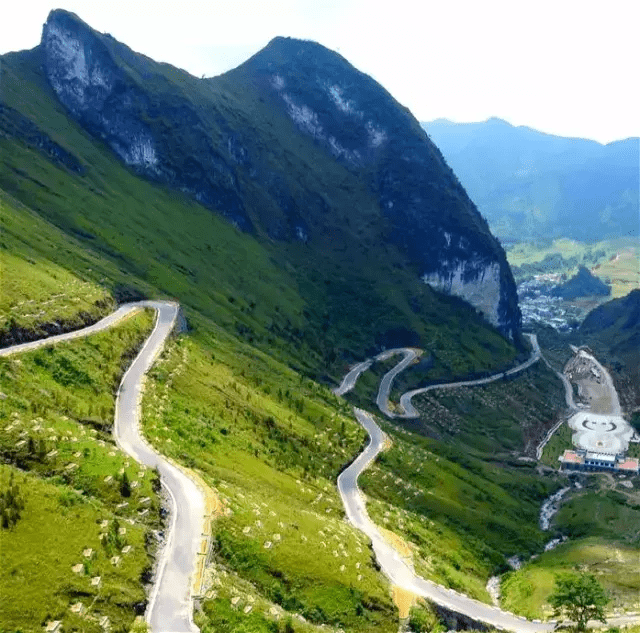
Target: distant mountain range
{"type": "Point", "coordinates": [531, 185]}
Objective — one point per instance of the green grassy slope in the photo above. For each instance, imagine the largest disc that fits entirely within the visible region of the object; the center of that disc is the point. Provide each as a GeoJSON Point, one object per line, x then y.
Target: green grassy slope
{"type": "Point", "coordinates": [55, 443]}
{"type": "Point", "coordinates": [272, 443]}
{"type": "Point", "coordinates": [232, 398]}
{"type": "Point", "coordinates": [501, 419]}
{"type": "Point", "coordinates": [462, 516]}
{"type": "Point", "coordinates": [602, 523]}
{"type": "Point", "coordinates": [46, 281]}
{"type": "Point", "coordinates": [241, 408]}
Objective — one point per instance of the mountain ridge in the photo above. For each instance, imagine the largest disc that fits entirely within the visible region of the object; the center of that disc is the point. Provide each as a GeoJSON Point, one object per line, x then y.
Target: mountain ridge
{"type": "Point", "coordinates": [200, 136]}
{"type": "Point", "coordinates": [495, 120]}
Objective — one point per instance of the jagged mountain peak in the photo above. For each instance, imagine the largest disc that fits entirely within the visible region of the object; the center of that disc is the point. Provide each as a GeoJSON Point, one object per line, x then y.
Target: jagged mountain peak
{"type": "Point", "coordinates": [293, 141]}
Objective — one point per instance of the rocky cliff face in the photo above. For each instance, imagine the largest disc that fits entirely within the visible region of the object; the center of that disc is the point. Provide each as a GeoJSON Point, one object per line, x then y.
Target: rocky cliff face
{"type": "Point", "coordinates": [95, 78]}
{"type": "Point", "coordinates": [429, 214]}
{"type": "Point", "coordinates": [273, 146]}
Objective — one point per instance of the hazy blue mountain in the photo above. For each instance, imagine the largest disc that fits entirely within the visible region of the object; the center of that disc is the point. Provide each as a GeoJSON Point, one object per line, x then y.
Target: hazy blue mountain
{"type": "Point", "coordinates": [530, 185]}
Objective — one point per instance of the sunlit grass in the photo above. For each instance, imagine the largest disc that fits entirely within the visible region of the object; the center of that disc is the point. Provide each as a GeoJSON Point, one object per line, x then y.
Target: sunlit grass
{"type": "Point", "coordinates": [55, 436]}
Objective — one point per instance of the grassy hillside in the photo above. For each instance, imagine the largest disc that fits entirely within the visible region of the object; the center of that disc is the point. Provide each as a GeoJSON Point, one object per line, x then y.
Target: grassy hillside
{"type": "Point", "coordinates": [242, 396]}
{"type": "Point", "coordinates": [271, 443]}
{"type": "Point", "coordinates": [501, 420]}
{"type": "Point", "coordinates": [55, 445]}
{"type": "Point", "coordinates": [602, 523]}
{"type": "Point", "coordinates": [461, 516]}
{"type": "Point", "coordinates": [43, 281]}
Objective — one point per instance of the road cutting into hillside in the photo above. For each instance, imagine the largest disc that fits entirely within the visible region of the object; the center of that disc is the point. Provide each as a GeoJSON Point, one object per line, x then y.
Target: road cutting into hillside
{"type": "Point", "coordinates": [384, 390]}
{"type": "Point", "coordinates": [399, 572]}
{"type": "Point", "coordinates": [170, 605]}
{"type": "Point", "coordinates": [393, 565]}
{"type": "Point", "coordinates": [407, 410]}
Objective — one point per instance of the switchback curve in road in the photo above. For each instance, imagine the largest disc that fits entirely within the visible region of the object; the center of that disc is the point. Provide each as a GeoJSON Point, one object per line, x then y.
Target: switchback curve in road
{"type": "Point", "coordinates": [409, 411]}
{"type": "Point", "coordinates": [171, 603]}
{"type": "Point", "coordinates": [391, 563]}
{"type": "Point", "coordinates": [384, 390]}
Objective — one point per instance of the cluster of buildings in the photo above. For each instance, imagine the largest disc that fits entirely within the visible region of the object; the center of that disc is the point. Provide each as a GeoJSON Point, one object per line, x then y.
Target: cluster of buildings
{"type": "Point", "coordinates": [537, 305]}
{"type": "Point", "coordinates": [591, 461]}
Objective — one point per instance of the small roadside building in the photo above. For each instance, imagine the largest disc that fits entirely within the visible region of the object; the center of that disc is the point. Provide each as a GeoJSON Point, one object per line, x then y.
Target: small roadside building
{"type": "Point", "coordinates": [593, 462]}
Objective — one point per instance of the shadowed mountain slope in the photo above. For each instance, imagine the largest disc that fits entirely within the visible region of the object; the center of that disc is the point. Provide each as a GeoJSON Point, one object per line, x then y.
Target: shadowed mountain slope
{"type": "Point", "coordinates": [342, 207]}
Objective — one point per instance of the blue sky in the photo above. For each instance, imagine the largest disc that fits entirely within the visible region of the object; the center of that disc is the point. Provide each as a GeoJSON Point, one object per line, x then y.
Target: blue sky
{"type": "Point", "coordinates": [565, 67]}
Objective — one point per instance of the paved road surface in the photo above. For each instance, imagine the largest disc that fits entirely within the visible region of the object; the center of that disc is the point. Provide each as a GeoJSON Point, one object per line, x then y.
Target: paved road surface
{"type": "Point", "coordinates": [391, 562]}
{"type": "Point", "coordinates": [101, 325]}
{"type": "Point", "coordinates": [170, 606]}
{"type": "Point", "coordinates": [349, 381]}
{"type": "Point", "coordinates": [409, 411]}
{"type": "Point", "coordinates": [384, 390]}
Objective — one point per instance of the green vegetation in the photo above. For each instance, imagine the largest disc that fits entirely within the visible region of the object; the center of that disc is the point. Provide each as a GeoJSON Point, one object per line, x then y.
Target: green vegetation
{"type": "Point", "coordinates": [423, 620]}
{"type": "Point", "coordinates": [37, 295]}
{"type": "Point", "coordinates": [579, 598]}
{"type": "Point", "coordinates": [601, 521]}
{"type": "Point", "coordinates": [614, 261]}
{"type": "Point", "coordinates": [503, 419]}
{"type": "Point", "coordinates": [271, 443]}
{"type": "Point", "coordinates": [280, 296]}
{"type": "Point", "coordinates": [233, 398]}
{"type": "Point", "coordinates": [57, 449]}
{"type": "Point", "coordinates": [11, 504]}
{"type": "Point", "coordinates": [556, 446]}
{"type": "Point", "coordinates": [462, 516]}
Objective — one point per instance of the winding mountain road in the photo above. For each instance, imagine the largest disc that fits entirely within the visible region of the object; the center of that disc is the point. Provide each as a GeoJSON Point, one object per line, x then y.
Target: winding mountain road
{"type": "Point", "coordinates": [392, 564]}
{"type": "Point", "coordinates": [409, 411]}
{"type": "Point", "coordinates": [410, 355]}
{"type": "Point", "coordinates": [170, 605]}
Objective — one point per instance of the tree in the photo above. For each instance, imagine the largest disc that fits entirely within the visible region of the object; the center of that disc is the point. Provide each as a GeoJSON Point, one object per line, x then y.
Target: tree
{"type": "Point", "coordinates": [580, 598]}
{"type": "Point", "coordinates": [11, 504]}
{"type": "Point", "coordinates": [125, 486]}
